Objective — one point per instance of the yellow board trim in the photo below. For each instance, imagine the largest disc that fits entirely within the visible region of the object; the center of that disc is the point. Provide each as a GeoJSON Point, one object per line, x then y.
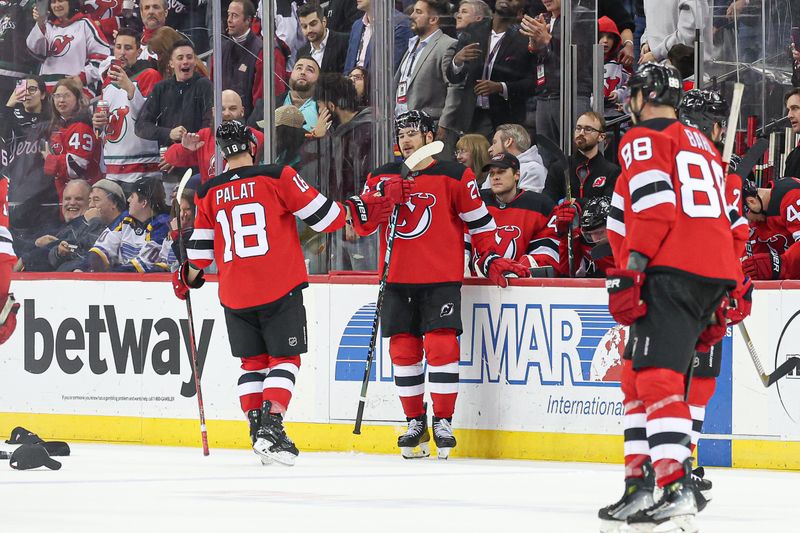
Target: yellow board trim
{"type": "Point", "coordinates": [777, 455]}
{"type": "Point", "coordinates": [312, 437]}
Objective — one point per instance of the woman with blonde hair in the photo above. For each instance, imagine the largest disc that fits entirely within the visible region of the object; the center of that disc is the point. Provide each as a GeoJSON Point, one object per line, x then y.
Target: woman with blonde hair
{"type": "Point", "coordinates": [161, 44]}
{"type": "Point", "coordinates": [472, 151]}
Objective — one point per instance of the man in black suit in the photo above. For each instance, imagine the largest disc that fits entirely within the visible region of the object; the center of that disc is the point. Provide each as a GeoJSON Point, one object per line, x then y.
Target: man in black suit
{"type": "Point", "coordinates": [327, 47]}
{"type": "Point", "coordinates": [494, 64]}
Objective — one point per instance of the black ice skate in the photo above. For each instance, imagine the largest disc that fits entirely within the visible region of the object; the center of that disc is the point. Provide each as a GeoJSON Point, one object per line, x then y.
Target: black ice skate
{"type": "Point", "coordinates": [673, 513]}
{"type": "Point", "coordinates": [443, 436]}
{"type": "Point", "coordinates": [702, 488]}
{"type": "Point", "coordinates": [416, 436]}
{"type": "Point", "coordinates": [271, 440]}
{"type": "Point", "coordinates": [638, 496]}
{"type": "Point", "coordinates": [254, 417]}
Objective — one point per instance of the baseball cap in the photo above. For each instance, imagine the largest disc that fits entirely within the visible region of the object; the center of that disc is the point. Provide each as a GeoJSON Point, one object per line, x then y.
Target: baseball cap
{"type": "Point", "coordinates": [504, 160]}
{"type": "Point", "coordinates": [110, 187]}
{"type": "Point", "coordinates": [287, 115]}
{"type": "Point", "coordinates": [29, 456]}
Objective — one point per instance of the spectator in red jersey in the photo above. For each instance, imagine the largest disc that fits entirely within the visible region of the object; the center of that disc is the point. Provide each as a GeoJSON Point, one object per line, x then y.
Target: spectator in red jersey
{"type": "Point", "coordinates": [108, 14]}
{"type": "Point", "coordinates": [524, 229]}
{"type": "Point", "coordinates": [127, 83]}
{"type": "Point", "coordinates": [68, 44]}
{"type": "Point", "coordinates": [198, 150]}
{"type": "Point", "coordinates": [74, 151]}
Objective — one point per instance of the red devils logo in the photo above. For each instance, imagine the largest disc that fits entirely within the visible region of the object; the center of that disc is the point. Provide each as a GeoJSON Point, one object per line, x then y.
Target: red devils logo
{"type": "Point", "coordinates": [60, 45]}
{"type": "Point", "coordinates": [778, 243]}
{"type": "Point", "coordinates": [506, 238]}
{"type": "Point", "coordinates": [599, 182]}
{"type": "Point", "coordinates": [99, 6]}
{"type": "Point", "coordinates": [117, 125]}
{"type": "Point", "coordinates": [414, 218]}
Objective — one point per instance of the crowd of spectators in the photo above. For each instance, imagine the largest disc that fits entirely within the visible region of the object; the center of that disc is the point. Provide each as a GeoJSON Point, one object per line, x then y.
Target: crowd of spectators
{"type": "Point", "coordinates": [108, 103]}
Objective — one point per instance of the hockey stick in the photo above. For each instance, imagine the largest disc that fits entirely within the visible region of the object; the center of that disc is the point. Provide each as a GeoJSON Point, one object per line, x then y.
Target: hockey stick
{"type": "Point", "coordinates": [429, 150]}
{"type": "Point", "coordinates": [766, 379]}
{"type": "Point", "coordinates": [733, 121]}
{"type": "Point", "coordinates": [556, 152]}
{"type": "Point", "coordinates": [193, 355]}
{"type": "Point", "coordinates": [10, 301]}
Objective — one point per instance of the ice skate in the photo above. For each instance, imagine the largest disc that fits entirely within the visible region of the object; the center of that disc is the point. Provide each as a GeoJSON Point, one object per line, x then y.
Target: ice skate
{"type": "Point", "coordinates": [638, 496]}
{"type": "Point", "coordinates": [414, 443]}
{"type": "Point", "coordinates": [271, 440]}
{"type": "Point", "coordinates": [254, 417]}
{"type": "Point", "coordinates": [443, 437]}
{"type": "Point", "coordinates": [673, 513]}
{"type": "Point", "coordinates": [702, 488]}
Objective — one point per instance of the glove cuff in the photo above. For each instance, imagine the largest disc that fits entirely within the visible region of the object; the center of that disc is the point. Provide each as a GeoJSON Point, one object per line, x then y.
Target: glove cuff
{"type": "Point", "coordinates": [358, 209]}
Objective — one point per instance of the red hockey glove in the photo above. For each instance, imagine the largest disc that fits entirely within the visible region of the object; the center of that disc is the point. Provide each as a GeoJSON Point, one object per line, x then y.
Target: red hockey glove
{"type": "Point", "coordinates": [10, 324]}
{"type": "Point", "coordinates": [763, 266]}
{"type": "Point", "coordinates": [741, 302]}
{"type": "Point", "coordinates": [498, 269]}
{"type": "Point", "coordinates": [396, 189]}
{"type": "Point", "coordinates": [181, 283]}
{"type": "Point", "coordinates": [715, 331]}
{"type": "Point", "coordinates": [624, 295]}
{"type": "Point", "coordinates": [368, 211]}
{"type": "Point", "coordinates": [566, 215]}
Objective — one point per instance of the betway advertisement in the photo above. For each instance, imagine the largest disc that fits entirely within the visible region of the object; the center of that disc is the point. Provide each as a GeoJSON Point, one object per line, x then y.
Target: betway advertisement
{"type": "Point", "coordinates": [532, 359]}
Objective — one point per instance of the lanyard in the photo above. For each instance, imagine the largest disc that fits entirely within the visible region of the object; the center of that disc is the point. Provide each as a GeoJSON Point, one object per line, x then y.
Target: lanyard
{"type": "Point", "coordinates": [491, 56]}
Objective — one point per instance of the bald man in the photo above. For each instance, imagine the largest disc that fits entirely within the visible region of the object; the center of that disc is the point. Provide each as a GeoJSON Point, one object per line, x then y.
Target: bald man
{"type": "Point", "coordinates": [198, 150]}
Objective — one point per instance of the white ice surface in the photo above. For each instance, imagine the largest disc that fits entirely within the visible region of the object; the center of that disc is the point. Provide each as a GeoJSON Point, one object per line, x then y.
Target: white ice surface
{"type": "Point", "coordinates": [141, 489]}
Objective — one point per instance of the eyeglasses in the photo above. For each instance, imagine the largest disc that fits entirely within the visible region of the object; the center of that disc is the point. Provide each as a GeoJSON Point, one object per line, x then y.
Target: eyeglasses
{"type": "Point", "coordinates": [587, 129]}
{"type": "Point", "coordinates": [61, 96]}
{"type": "Point", "coordinates": [32, 89]}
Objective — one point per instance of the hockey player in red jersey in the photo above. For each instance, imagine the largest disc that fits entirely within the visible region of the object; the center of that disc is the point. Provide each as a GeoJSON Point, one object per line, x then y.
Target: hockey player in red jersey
{"type": "Point", "coordinates": [422, 304]}
{"type": "Point", "coordinates": [525, 230]}
{"type": "Point", "coordinates": [246, 223]}
{"type": "Point", "coordinates": [589, 242]}
{"type": "Point", "coordinates": [8, 308]}
{"type": "Point", "coordinates": [779, 209]}
{"type": "Point", "coordinates": [668, 203]}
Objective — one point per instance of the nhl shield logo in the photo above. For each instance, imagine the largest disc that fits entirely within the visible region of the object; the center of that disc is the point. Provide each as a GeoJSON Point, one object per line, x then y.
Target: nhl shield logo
{"type": "Point", "coordinates": [292, 341]}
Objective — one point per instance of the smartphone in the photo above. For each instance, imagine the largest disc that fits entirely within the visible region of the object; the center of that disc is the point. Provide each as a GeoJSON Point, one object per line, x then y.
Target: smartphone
{"type": "Point", "coordinates": [21, 88]}
{"type": "Point", "coordinates": [43, 6]}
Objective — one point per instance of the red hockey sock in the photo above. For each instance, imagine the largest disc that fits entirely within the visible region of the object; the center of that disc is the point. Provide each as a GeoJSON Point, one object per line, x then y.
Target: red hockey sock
{"type": "Point", "coordinates": [637, 449]}
{"type": "Point", "coordinates": [669, 424]}
{"type": "Point", "coordinates": [700, 394]}
{"type": "Point", "coordinates": [409, 378]}
{"type": "Point", "coordinates": [442, 352]}
{"type": "Point", "coordinates": [251, 382]}
{"type": "Point", "coordinates": [279, 383]}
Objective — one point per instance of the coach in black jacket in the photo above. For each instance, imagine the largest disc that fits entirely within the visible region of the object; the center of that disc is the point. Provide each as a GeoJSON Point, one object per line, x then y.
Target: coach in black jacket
{"type": "Point", "coordinates": [321, 40]}
{"type": "Point", "coordinates": [501, 77]}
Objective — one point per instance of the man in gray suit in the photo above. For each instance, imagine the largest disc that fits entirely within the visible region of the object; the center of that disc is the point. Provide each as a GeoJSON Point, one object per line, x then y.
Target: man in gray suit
{"type": "Point", "coordinates": [421, 81]}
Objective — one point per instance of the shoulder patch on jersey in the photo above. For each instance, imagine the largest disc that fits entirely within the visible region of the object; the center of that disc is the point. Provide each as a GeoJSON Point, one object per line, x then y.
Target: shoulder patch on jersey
{"type": "Point", "coordinates": [451, 169]}
{"type": "Point", "coordinates": [779, 189]}
{"type": "Point", "coordinates": [268, 171]}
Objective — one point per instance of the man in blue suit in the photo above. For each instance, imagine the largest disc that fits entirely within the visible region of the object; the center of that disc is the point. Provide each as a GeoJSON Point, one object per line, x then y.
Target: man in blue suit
{"type": "Point", "coordinates": [359, 50]}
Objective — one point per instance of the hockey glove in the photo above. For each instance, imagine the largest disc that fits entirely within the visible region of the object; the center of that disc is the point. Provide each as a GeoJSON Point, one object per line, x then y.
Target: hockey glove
{"type": "Point", "coordinates": [624, 295]}
{"type": "Point", "coordinates": [396, 189]}
{"type": "Point", "coordinates": [368, 211]}
{"type": "Point", "coordinates": [763, 266]}
{"type": "Point", "coordinates": [499, 269]}
{"type": "Point", "coordinates": [181, 283]}
{"type": "Point", "coordinates": [741, 302]}
{"type": "Point", "coordinates": [10, 323]}
{"type": "Point", "coordinates": [566, 214]}
{"type": "Point", "coordinates": [715, 331]}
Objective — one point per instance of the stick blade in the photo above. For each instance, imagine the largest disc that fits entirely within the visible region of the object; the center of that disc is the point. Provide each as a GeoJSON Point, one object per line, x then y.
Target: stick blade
{"type": "Point", "coordinates": [783, 370]}
{"type": "Point", "coordinates": [182, 185]}
{"type": "Point", "coordinates": [429, 150]}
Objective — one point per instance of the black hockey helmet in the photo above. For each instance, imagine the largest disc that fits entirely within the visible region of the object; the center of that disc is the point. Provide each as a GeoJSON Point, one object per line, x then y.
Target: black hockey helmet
{"type": "Point", "coordinates": [418, 120]}
{"type": "Point", "coordinates": [233, 138]}
{"type": "Point", "coordinates": [151, 188]}
{"type": "Point", "coordinates": [702, 109]}
{"type": "Point", "coordinates": [595, 213]}
{"type": "Point", "coordinates": [659, 84]}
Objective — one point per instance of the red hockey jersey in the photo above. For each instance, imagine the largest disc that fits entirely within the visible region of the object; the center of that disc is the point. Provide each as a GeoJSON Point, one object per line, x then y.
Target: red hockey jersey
{"type": "Point", "coordinates": [767, 237]}
{"type": "Point", "coordinates": [585, 264]}
{"type": "Point", "coordinates": [6, 242]}
{"type": "Point", "coordinates": [669, 203]}
{"type": "Point", "coordinates": [429, 244]}
{"type": "Point", "coordinates": [246, 223]}
{"type": "Point", "coordinates": [74, 154]}
{"type": "Point", "coordinates": [525, 227]}
{"type": "Point", "coordinates": [204, 157]}
{"type": "Point", "coordinates": [783, 217]}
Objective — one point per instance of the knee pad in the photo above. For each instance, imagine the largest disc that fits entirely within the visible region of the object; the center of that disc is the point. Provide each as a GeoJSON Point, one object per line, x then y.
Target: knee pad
{"type": "Point", "coordinates": [405, 349]}
{"type": "Point", "coordinates": [655, 385]}
{"type": "Point", "coordinates": [441, 347]}
{"type": "Point", "coordinates": [255, 363]}
{"type": "Point", "coordinates": [701, 391]}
